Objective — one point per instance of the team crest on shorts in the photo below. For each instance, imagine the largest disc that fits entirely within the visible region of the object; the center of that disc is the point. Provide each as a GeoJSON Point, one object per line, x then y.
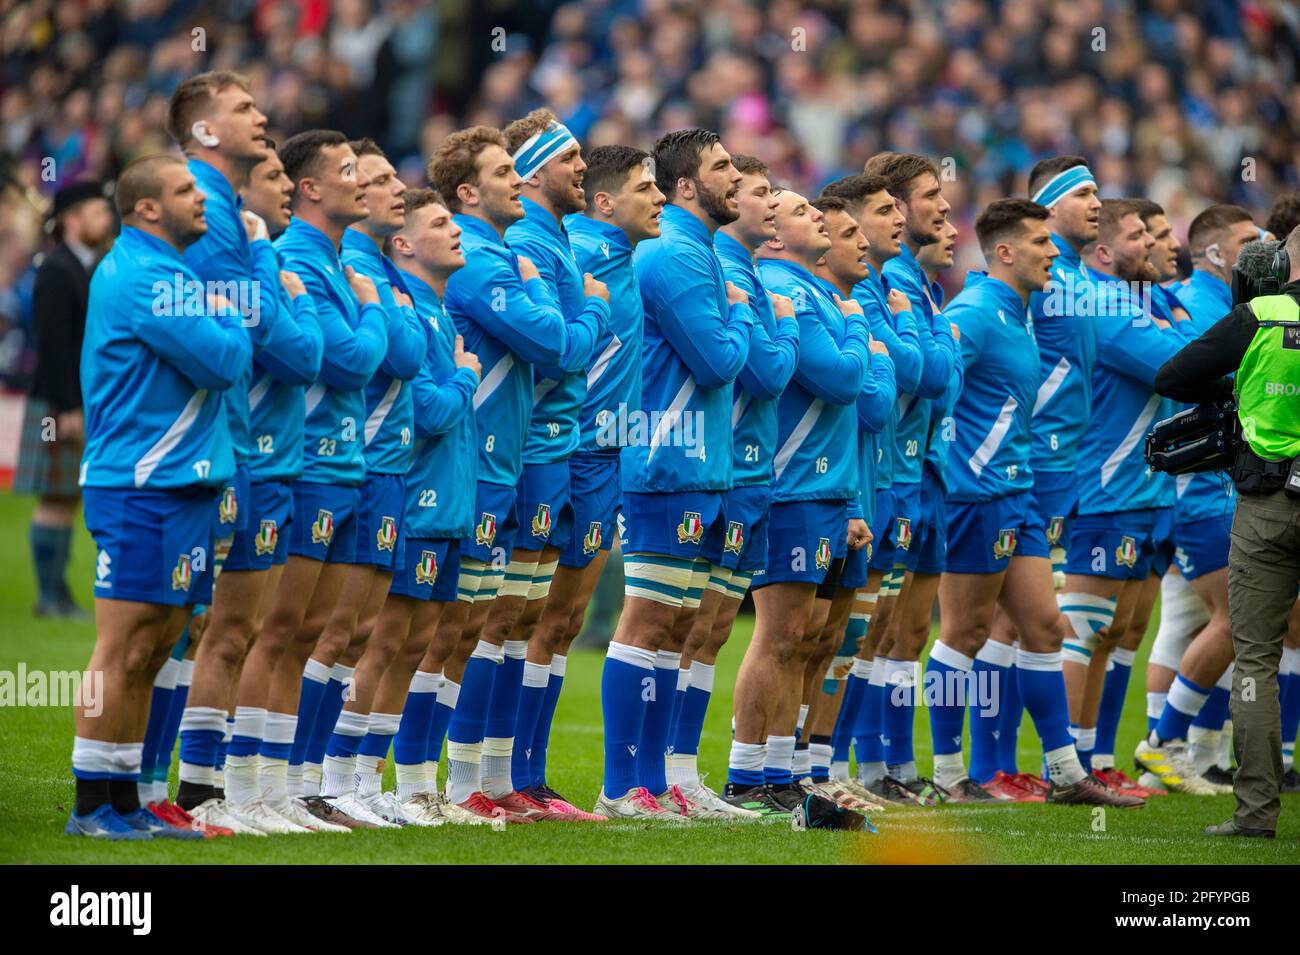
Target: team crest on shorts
{"type": "Point", "coordinates": [228, 506]}
{"type": "Point", "coordinates": [182, 573]}
{"type": "Point", "coordinates": [1055, 527]}
{"type": "Point", "coordinates": [735, 539]}
{"type": "Point", "coordinates": [904, 532]}
{"type": "Point", "coordinates": [1005, 545]}
{"type": "Point", "coordinates": [1126, 554]}
{"type": "Point", "coordinates": [386, 536]}
{"type": "Point", "coordinates": [542, 521]}
{"type": "Point", "coordinates": [426, 571]}
{"type": "Point", "coordinates": [268, 534]}
{"type": "Point", "coordinates": [322, 531]}
{"type": "Point", "coordinates": [823, 554]}
{"type": "Point", "coordinates": [486, 532]}
{"type": "Point", "coordinates": [691, 529]}
{"type": "Point", "coordinates": [591, 542]}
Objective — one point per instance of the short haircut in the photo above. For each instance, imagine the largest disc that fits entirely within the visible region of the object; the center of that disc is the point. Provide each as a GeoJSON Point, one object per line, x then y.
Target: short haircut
{"type": "Point", "coordinates": [677, 156]}
{"type": "Point", "coordinates": [522, 130]}
{"type": "Point", "coordinates": [1207, 227]}
{"type": "Point", "coordinates": [1047, 169]}
{"type": "Point", "coordinates": [193, 99]}
{"type": "Point", "coordinates": [301, 154]}
{"type": "Point", "coordinates": [855, 189]}
{"type": "Point", "coordinates": [608, 168]}
{"type": "Point", "coordinates": [419, 198]}
{"type": "Point", "coordinates": [455, 161]}
{"type": "Point", "coordinates": [1285, 215]}
{"type": "Point", "coordinates": [1112, 211]}
{"type": "Point", "coordinates": [367, 147]}
{"type": "Point", "coordinates": [751, 166]}
{"type": "Point", "coordinates": [1292, 245]}
{"type": "Point", "coordinates": [900, 170]}
{"type": "Point", "coordinates": [1147, 209]}
{"type": "Point", "coordinates": [825, 203]}
{"type": "Point", "coordinates": [142, 179]}
{"type": "Point", "coordinates": [1004, 218]}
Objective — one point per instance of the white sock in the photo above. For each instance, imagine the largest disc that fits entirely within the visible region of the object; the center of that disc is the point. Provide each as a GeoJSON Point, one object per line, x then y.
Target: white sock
{"type": "Point", "coordinates": [802, 763]}
{"type": "Point", "coordinates": [780, 754]}
{"type": "Point", "coordinates": [367, 778]}
{"type": "Point", "coordinates": [1063, 765]}
{"type": "Point", "coordinates": [949, 769]}
{"type": "Point", "coordinates": [495, 767]}
{"type": "Point", "coordinates": [411, 779]}
{"type": "Point", "coordinates": [309, 779]}
{"type": "Point", "coordinates": [683, 769]}
{"type": "Point", "coordinates": [463, 760]}
{"type": "Point", "coordinates": [840, 770]}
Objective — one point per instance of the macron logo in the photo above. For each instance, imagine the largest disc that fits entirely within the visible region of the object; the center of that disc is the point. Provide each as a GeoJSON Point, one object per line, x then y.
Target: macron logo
{"type": "Point", "coordinates": [103, 567]}
{"type": "Point", "coordinates": [604, 247]}
{"type": "Point", "coordinates": [103, 908]}
{"type": "Point", "coordinates": [632, 750]}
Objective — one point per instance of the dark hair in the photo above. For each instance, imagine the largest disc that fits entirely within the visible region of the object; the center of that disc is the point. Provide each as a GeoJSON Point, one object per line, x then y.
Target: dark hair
{"type": "Point", "coordinates": [855, 189]}
{"type": "Point", "coordinates": [419, 198]}
{"type": "Point", "coordinates": [677, 156]}
{"type": "Point", "coordinates": [193, 98]}
{"type": "Point", "coordinates": [825, 203]}
{"type": "Point", "coordinates": [522, 130]}
{"type": "Point", "coordinates": [1046, 169]}
{"type": "Point", "coordinates": [142, 179]}
{"type": "Point", "coordinates": [1112, 211]}
{"type": "Point", "coordinates": [1285, 215]}
{"type": "Point", "coordinates": [1004, 218]}
{"type": "Point", "coordinates": [1147, 209]}
{"type": "Point", "coordinates": [455, 161]}
{"type": "Point", "coordinates": [608, 168]}
{"type": "Point", "coordinates": [900, 171]}
{"type": "Point", "coordinates": [751, 166]}
{"type": "Point", "coordinates": [367, 147]}
{"type": "Point", "coordinates": [1205, 228]}
{"type": "Point", "coordinates": [301, 154]}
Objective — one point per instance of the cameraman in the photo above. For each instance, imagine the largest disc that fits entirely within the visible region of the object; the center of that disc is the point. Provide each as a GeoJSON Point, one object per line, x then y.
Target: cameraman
{"type": "Point", "coordinates": [1260, 341]}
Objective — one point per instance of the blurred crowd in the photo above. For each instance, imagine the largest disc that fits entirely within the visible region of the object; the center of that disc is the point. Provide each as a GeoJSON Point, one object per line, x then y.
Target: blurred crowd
{"type": "Point", "coordinates": [1187, 102]}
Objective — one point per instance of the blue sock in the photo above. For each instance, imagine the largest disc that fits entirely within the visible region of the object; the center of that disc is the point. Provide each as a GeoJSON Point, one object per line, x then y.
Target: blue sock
{"type": "Point", "coordinates": [315, 684]}
{"type": "Point", "coordinates": [469, 719]}
{"type": "Point", "coordinates": [503, 708]}
{"type": "Point", "coordinates": [869, 732]}
{"type": "Point", "coordinates": [1042, 686]}
{"type": "Point", "coordinates": [1111, 708]}
{"type": "Point", "coordinates": [542, 738]}
{"type": "Point", "coordinates": [1009, 719]}
{"type": "Point", "coordinates": [536, 676]}
{"type": "Point", "coordinates": [159, 709]}
{"type": "Point", "coordinates": [412, 739]}
{"type": "Point", "coordinates": [650, 754]}
{"type": "Point", "coordinates": [327, 717]}
{"type": "Point", "coordinates": [202, 728]}
{"type": "Point", "coordinates": [899, 712]}
{"type": "Point", "coordinates": [986, 727]}
{"type": "Point", "coordinates": [448, 700]}
{"type": "Point", "coordinates": [628, 673]}
{"type": "Point", "coordinates": [172, 729]}
{"type": "Point", "coordinates": [1085, 742]}
{"type": "Point", "coordinates": [1184, 702]}
{"type": "Point", "coordinates": [950, 670]}
{"type": "Point", "coordinates": [1215, 711]}
{"type": "Point", "coordinates": [695, 704]}
{"type": "Point", "coordinates": [675, 719]}
{"type": "Point", "coordinates": [842, 737]}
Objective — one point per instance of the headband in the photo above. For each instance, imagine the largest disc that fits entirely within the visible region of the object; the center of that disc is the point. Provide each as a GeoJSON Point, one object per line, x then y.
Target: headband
{"type": "Point", "coordinates": [542, 148]}
{"type": "Point", "coordinates": [1062, 184]}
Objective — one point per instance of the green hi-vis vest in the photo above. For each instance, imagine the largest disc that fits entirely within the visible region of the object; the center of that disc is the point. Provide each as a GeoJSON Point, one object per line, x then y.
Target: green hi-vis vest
{"type": "Point", "coordinates": [1268, 380]}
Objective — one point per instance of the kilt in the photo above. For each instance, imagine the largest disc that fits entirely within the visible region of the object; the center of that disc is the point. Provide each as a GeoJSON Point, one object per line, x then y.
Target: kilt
{"type": "Point", "coordinates": [45, 468]}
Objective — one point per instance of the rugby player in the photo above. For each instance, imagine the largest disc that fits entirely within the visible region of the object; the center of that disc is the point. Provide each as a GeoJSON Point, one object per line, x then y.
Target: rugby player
{"type": "Point", "coordinates": [676, 465]}
{"type": "Point", "coordinates": [158, 452]}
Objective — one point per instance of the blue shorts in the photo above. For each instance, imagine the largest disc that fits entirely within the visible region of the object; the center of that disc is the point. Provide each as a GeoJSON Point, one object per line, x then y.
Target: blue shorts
{"type": "Point", "coordinates": [1121, 545]}
{"type": "Point", "coordinates": [325, 522]}
{"type": "Point", "coordinates": [596, 497]}
{"type": "Point", "coordinates": [675, 524]}
{"type": "Point", "coordinates": [379, 522]}
{"type": "Point", "coordinates": [983, 536]}
{"type": "Point", "coordinates": [901, 542]}
{"type": "Point", "coordinates": [743, 545]}
{"type": "Point", "coordinates": [233, 506]}
{"type": "Point", "coordinates": [930, 553]}
{"type": "Point", "coordinates": [803, 537]}
{"type": "Point", "coordinates": [1054, 496]}
{"type": "Point", "coordinates": [1201, 547]}
{"type": "Point", "coordinates": [544, 506]}
{"type": "Point", "coordinates": [884, 530]}
{"type": "Point", "coordinates": [154, 547]}
{"type": "Point", "coordinates": [428, 569]}
{"type": "Point", "coordinates": [494, 533]}
{"type": "Point", "coordinates": [854, 574]}
{"type": "Point", "coordinates": [264, 541]}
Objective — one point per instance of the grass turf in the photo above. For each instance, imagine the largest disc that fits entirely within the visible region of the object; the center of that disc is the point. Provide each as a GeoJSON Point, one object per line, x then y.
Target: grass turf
{"type": "Point", "coordinates": [36, 787]}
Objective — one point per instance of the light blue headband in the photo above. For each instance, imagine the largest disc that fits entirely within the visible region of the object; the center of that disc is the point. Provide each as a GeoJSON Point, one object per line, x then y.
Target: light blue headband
{"type": "Point", "coordinates": [542, 148]}
{"type": "Point", "coordinates": [1062, 184]}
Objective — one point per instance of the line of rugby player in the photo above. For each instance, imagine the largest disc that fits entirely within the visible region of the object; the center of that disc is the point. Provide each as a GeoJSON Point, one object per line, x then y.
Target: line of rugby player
{"type": "Point", "coordinates": [390, 450]}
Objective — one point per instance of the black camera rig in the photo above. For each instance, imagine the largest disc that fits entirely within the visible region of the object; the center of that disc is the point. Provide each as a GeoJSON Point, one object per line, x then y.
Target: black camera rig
{"type": "Point", "coordinates": [1204, 438]}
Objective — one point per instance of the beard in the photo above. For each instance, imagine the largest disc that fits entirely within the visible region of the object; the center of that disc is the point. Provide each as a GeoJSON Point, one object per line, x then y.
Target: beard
{"type": "Point", "coordinates": [715, 205]}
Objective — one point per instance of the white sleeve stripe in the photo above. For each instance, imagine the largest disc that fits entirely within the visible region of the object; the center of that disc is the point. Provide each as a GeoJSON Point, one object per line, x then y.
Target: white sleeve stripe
{"type": "Point", "coordinates": [1135, 434]}
{"type": "Point", "coordinates": [1051, 385]}
{"type": "Point", "coordinates": [993, 440]}
{"type": "Point", "coordinates": [147, 464]}
{"type": "Point", "coordinates": [672, 416]}
{"type": "Point", "coordinates": [314, 394]}
{"type": "Point", "coordinates": [603, 360]}
{"type": "Point", "coordinates": [258, 391]}
{"type": "Point", "coordinates": [797, 436]}
{"type": "Point", "coordinates": [492, 380]}
{"type": "Point", "coordinates": [738, 409]}
{"type": "Point", "coordinates": [376, 419]}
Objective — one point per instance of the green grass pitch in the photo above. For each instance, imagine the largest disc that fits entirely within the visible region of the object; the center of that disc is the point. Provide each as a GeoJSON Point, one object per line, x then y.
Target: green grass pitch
{"type": "Point", "coordinates": [36, 787]}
